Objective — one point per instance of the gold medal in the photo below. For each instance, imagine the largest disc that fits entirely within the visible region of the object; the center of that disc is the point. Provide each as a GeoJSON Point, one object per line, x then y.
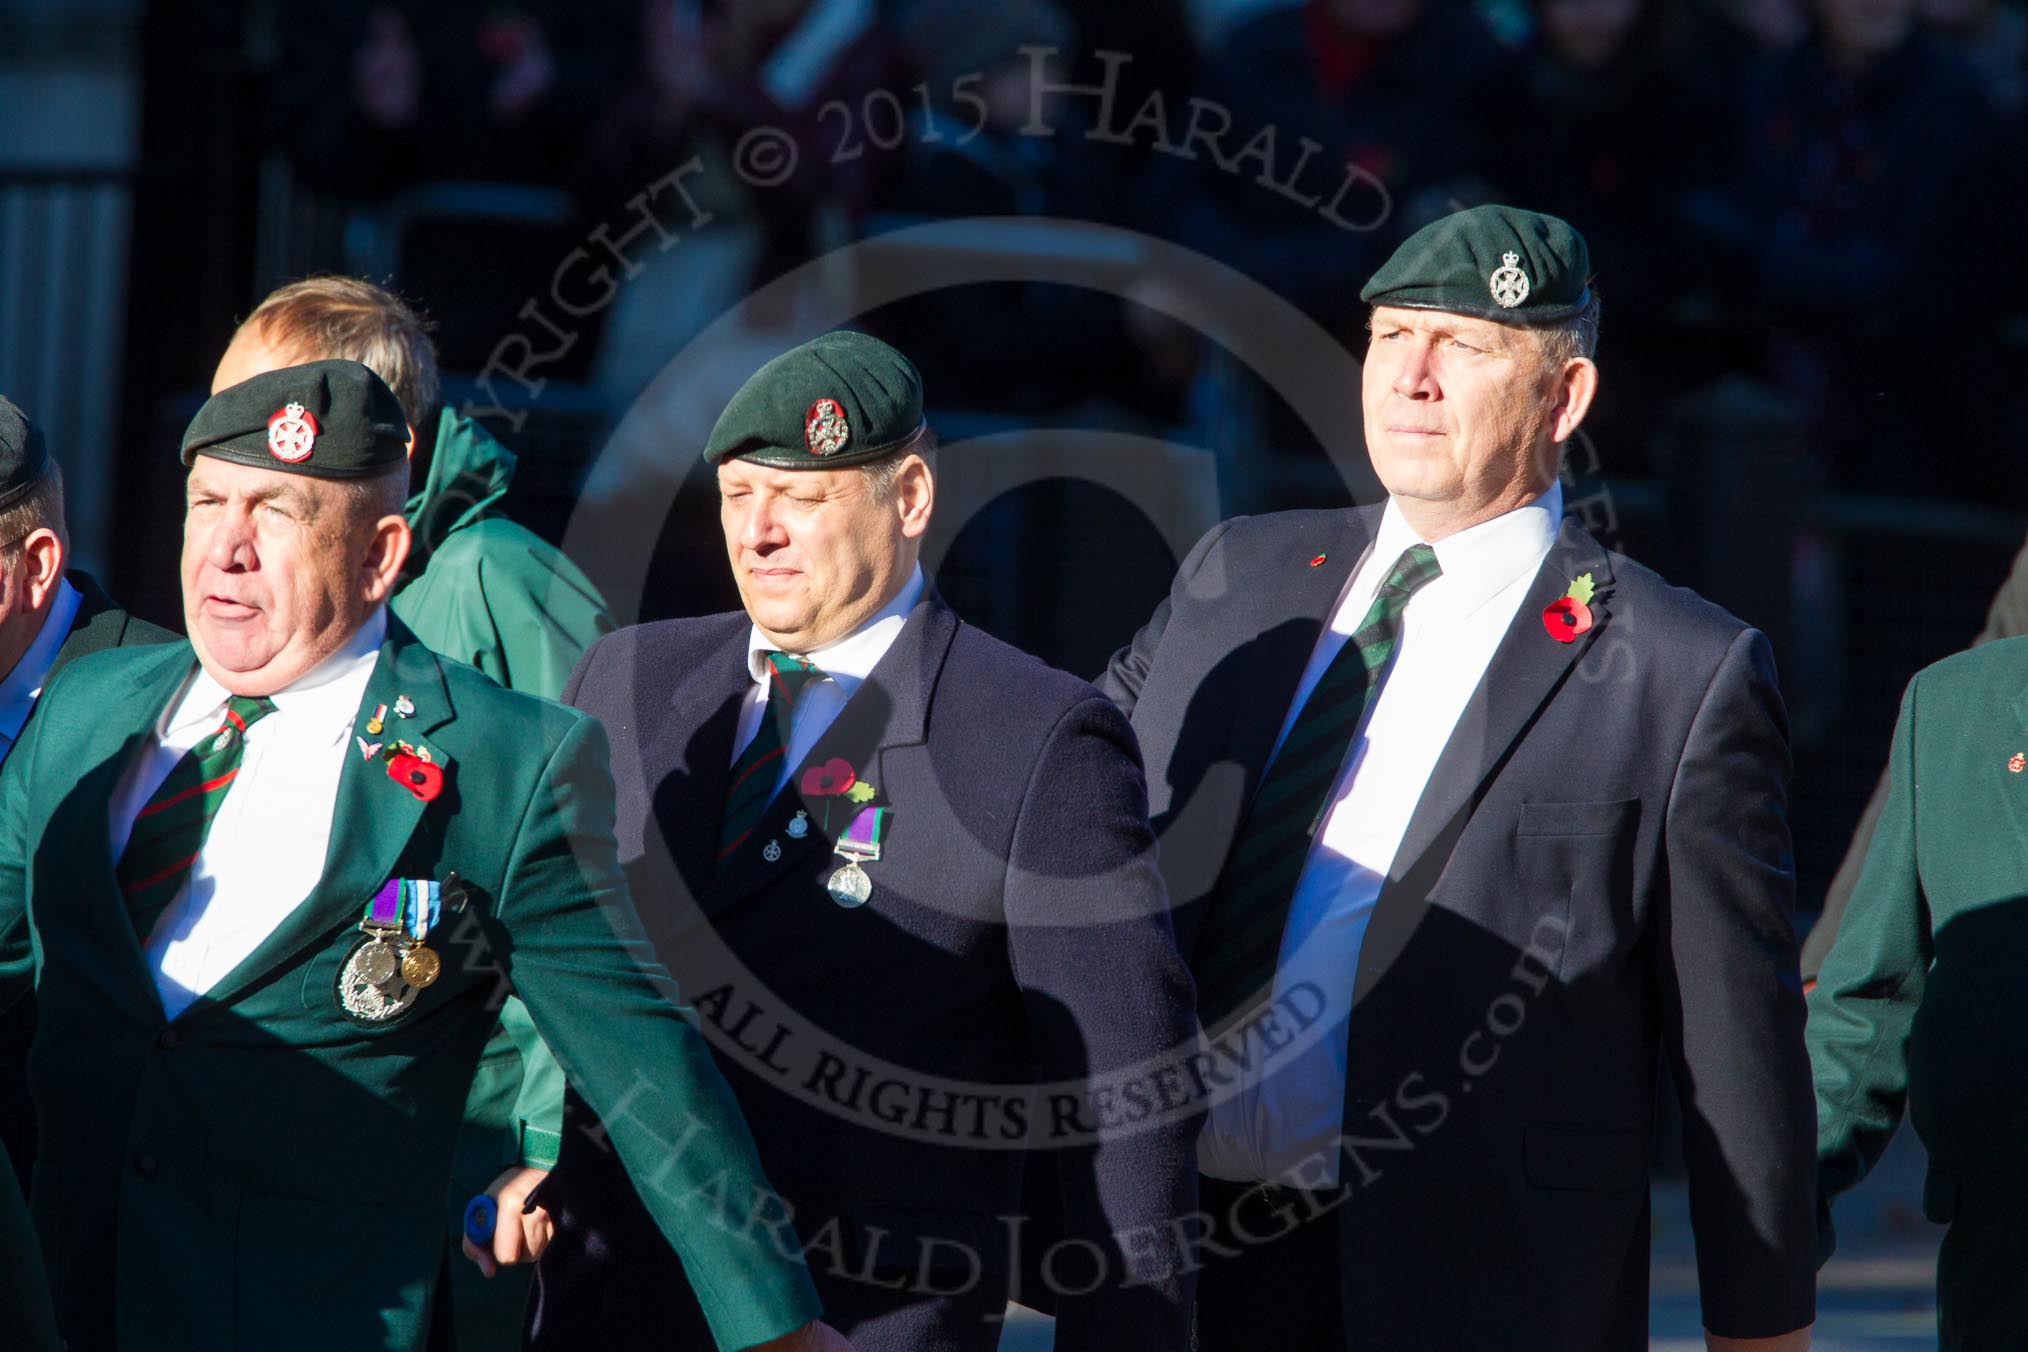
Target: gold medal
{"type": "Point", "coordinates": [421, 966]}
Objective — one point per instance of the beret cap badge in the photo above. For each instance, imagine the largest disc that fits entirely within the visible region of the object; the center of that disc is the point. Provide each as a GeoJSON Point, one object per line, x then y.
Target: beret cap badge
{"type": "Point", "coordinates": [1509, 283]}
{"type": "Point", "coordinates": [292, 433]}
{"type": "Point", "coordinates": [825, 431]}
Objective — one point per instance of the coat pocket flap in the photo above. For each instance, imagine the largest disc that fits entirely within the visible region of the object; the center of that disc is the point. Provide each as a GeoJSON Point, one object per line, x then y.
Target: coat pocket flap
{"type": "Point", "coordinates": [1578, 819]}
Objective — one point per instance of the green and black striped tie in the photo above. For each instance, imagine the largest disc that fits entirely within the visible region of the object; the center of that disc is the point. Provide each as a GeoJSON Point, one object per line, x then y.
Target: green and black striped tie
{"type": "Point", "coordinates": [1242, 937]}
{"type": "Point", "coordinates": [760, 765]}
{"type": "Point", "coordinates": [171, 827]}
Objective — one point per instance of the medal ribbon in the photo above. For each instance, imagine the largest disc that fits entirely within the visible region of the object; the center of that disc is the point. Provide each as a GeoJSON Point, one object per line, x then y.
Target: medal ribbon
{"type": "Point", "coordinates": [861, 841]}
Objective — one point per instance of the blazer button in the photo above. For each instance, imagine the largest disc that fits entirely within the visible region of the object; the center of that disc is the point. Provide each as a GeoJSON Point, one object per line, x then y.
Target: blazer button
{"type": "Point", "coordinates": [168, 1039]}
{"type": "Point", "coordinates": [145, 1165]}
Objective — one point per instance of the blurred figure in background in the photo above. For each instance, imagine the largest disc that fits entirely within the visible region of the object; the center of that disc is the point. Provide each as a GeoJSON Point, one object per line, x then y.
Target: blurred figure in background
{"type": "Point", "coordinates": [1854, 154]}
{"type": "Point", "coordinates": [1393, 87]}
{"type": "Point", "coordinates": [1990, 37]}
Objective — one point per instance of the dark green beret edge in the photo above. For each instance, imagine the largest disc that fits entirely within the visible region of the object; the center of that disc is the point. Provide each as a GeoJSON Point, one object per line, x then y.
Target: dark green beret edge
{"type": "Point", "coordinates": [34, 481]}
{"type": "Point", "coordinates": [1521, 316]}
{"type": "Point", "coordinates": [261, 459]}
{"type": "Point", "coordinates": [796, 457]}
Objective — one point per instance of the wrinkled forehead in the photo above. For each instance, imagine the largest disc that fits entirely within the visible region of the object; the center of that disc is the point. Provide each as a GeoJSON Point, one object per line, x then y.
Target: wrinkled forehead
{"type": "Point", "coordinates": [212, 477]}
{"type": "Point", "coordinates": [734, 472]}
{"type": "Point", "coordinates": [1485, 333]}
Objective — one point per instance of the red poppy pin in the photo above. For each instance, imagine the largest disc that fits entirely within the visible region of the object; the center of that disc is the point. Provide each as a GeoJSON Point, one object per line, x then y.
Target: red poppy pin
{"type": "Point", "coordinates": [2017, 762]}
{"type": "Point", "coordinates": [1570, 615]}
{"type": "Point", "coordinates": [834, 776]}
{"type": "Point", "coordinates": [420, 777]}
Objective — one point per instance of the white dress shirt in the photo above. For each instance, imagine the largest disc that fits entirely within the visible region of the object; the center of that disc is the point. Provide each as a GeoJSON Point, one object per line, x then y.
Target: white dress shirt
{"type": "Point", "coordinates": [1281, 1119]}
{"type": "Point", "coordinates": [18, 692]}
{"type": "Point", "coordinates": [846, 663]}
{"type": "Point", "coordinates": [266, 848]}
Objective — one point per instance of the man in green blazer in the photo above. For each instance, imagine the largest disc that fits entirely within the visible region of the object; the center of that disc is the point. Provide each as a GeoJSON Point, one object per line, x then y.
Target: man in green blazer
{"type": "Point", "coordinates": [270, 886]}
{"type": "Point", "coordinates": [486, 590]}
{"type": "Point", "coordinates": [1919, 1004]}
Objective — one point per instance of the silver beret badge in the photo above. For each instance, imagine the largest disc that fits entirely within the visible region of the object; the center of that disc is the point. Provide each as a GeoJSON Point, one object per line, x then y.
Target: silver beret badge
{"type": "Point", "coordinates": [1509, 283]}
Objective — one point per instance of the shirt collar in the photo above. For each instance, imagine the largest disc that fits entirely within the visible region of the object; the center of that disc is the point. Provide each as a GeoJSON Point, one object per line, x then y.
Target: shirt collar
{"type": "Point", "coordinates": [1480, 562]}
{"type": "Point", "coordinates": [331, 690]}
{"type": "Point", "coordinates": [851, 659]}
{"type": "Point", "coordinates": [21, 685]}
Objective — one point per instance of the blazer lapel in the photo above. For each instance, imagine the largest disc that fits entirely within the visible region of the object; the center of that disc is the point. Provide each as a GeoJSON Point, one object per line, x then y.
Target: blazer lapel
{"type": "Point", "coordinates": [890, 709]}
{"type": "Point", "coordinates": [1292, 610]}
{"type": "Point", "coordinates": [119, 730]}
{"type": "Point", "coordinates": [1527, 668]}
{"type": "Point", "coordinates": [371, 823]}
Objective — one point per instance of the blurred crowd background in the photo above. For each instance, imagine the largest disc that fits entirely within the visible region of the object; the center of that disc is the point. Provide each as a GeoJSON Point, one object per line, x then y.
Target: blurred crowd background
{"type": "Point", "coordinates": [1806, 218]}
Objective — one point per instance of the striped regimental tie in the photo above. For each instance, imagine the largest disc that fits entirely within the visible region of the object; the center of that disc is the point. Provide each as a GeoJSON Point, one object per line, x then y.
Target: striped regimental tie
{"type": "Point", "coordinates": [172, 825]}
{"type": "Point", "coordinates": [760, 765]}
{"type": "Point", "coordinates": [1242, 938]}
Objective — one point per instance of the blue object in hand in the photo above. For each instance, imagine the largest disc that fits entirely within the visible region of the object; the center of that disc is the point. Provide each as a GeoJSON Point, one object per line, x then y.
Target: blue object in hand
{"type": "Point", "coordinates": [480, 1215]}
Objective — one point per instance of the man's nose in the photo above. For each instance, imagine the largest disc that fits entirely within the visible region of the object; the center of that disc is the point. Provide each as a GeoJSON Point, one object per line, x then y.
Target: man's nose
{"type": "Point", "coordinates": [1416, 379]}
{"type": "Point", "coordinates": [762, 526]}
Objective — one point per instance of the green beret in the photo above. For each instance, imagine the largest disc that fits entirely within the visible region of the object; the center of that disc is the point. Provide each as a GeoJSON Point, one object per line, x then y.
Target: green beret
{"type": "Point", "coordinates": [326, 419]}
{"type": "Point", "coordinates": [1500, 263]}
{"type": "Point", "coordinates": [841, 399]}
{"type": "Point", "coordinates": [24, 461]}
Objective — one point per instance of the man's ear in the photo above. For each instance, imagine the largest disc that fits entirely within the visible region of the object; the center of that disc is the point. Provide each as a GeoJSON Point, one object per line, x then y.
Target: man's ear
{"type": "Point", "coordinates": [915, 493]}
{"type": "Point", "coordinates": [1575, 388]}
{"type": "Point", "coordinates": [386, 551]}
{"type": "Point", "coordinates": [42, 560]}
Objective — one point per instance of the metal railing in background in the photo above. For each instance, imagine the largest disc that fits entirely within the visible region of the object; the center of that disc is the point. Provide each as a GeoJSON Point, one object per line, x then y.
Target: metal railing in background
{"type": "Point", "coordinates": [63, 282]}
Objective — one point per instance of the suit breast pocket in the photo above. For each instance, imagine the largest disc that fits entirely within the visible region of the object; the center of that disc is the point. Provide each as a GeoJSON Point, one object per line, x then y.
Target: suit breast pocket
{"type": "Point", "coordinates": [1574, 861]}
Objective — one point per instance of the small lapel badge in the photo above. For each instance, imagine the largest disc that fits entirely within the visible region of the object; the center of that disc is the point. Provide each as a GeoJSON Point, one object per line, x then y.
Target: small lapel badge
{"type": "Point", "coordinates": [378, 721]}
{"type": "Point", "coordinates": [1318, 562]}
{"type": "Point", "coordinates": [800, 827]}
{"type": "Point", "coordinates": [404, 707]}
{"type": "Point", "coordinates": [772, 851]}
{"type": "Point", "coordinates": [2016, 762]}
{"type": "Point", "coordinates": [368, 749]}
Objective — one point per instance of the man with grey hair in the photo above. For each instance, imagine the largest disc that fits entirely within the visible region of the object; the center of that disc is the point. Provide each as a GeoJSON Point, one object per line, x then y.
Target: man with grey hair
{"type": "Point", "coordinates": [268, 883]}
{"type": "Point", "coordinates": [50, 615]}
{"type": "Point", "coordinates": [1505, 814]}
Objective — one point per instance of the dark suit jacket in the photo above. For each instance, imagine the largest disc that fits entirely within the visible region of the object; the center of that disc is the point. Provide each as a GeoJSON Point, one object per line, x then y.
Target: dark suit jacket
{"type": "Point", "coordinates": [99, 624]}
{"type": "Point", "coordinates": [264, 1171]}
{"type": "Point", "coordinates": [1016, 932]}
{"type": "Point", "coordinates": [1598, 874]}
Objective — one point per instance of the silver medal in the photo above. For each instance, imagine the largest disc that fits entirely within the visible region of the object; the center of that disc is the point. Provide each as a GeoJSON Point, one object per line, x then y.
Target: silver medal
{"type": "Point", "coordinates": [367, 999]}
{"type": "Point", "coordinates": [850, 887]}
{"type": "Point", "coordinates": [772, 851]}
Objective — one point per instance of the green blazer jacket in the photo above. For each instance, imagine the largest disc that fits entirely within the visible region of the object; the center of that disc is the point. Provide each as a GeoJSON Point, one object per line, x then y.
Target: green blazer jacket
{"type": "Point", "coordinates": [264, 1171]}
{"type": "Point", "coordinates": [1921, 1002]}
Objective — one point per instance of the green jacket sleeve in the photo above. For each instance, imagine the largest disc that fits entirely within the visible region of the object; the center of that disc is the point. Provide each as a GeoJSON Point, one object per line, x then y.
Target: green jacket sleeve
{"type": "Point", "coordinates": [1867, 994]}
{"type": "Point", "coordinates": [539, 1106]}
{"type": "Point", "coordinates": [576, 953]}
{"type": "Point", "coordinates": [507, 602]}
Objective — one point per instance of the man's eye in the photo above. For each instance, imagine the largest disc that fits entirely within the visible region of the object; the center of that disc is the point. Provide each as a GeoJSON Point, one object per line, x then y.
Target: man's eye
{"type": "Point", "coordinates": [1462, 346]}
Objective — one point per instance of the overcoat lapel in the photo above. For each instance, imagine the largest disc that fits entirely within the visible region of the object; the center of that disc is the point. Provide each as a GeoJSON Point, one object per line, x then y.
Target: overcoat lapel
{"type": "Point", "coordinates": [689, 737]}
{"type": "Point", "coordinates": [371, 823]}
{"type": "Point", "coordinates": [1527, 669]}
{"type": "Point", "coordinates": [889, 710]}
{"type": "Point", "coordinates": [118, 732]}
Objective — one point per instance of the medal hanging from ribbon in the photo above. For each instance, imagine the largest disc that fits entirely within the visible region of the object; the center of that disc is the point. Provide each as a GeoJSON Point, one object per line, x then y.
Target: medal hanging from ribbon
{"type": "Point", "coordinates": [389, 967]}
{"type": "Point", "coordinates": [859, 845]}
